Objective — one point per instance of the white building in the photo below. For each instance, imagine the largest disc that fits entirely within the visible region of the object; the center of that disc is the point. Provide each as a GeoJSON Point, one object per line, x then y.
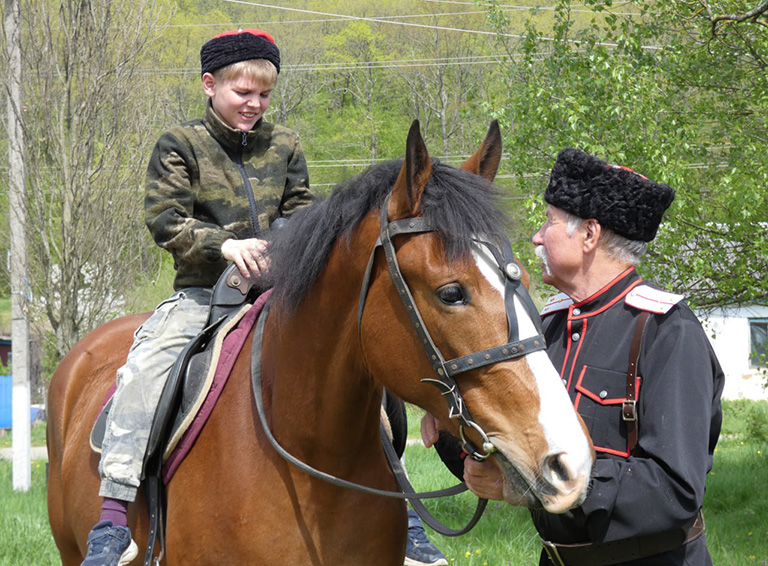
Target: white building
{"type": "Point", "coordinates": [739, 336]}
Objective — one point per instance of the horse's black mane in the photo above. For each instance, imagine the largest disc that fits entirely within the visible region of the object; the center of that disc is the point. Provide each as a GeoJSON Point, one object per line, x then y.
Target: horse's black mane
{"type": "Point", "coordinates": [458, 203]}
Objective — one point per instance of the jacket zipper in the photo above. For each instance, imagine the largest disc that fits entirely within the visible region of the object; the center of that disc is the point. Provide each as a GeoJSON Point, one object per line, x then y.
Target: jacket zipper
{"type": "Point", "coordinates": [247, 183]}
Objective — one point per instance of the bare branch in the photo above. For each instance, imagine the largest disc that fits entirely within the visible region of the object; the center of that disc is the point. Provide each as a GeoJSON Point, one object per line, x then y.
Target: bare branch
{"type": "Point", "coordinates": [753, 15]}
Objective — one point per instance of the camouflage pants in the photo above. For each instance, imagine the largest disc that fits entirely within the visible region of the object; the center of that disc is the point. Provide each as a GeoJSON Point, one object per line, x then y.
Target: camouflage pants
{"type": "Point", "coordinates": [156, 345]}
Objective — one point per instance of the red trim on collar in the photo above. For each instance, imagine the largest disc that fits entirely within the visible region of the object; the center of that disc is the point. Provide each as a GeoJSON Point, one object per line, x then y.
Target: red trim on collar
{"type": "Point", "coordinates": [602, 291]}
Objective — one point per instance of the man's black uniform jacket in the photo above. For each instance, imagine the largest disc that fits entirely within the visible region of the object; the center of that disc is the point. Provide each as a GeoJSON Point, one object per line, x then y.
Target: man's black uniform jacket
{"type": "Point", "coordinates": [660, 485]}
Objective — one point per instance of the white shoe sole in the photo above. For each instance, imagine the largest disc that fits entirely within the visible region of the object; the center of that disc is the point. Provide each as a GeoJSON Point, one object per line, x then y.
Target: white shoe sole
{"type": "Point", "coordinates": [130, 553]}
{"type": "Point", "coordinates": [411, 562]}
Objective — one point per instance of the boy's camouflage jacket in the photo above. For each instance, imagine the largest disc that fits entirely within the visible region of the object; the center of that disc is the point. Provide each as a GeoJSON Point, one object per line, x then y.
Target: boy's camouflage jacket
{"type": "Point", "coordinates": [207, 181]}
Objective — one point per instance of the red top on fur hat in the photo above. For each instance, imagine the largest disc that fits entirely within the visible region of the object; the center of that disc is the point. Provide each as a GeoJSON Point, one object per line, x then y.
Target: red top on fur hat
{"type": "Point", "coordinates": [253, 31]}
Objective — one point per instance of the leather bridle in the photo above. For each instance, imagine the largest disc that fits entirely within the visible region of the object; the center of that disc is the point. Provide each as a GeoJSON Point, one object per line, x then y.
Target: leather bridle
{"type": "Point", "coordinates": [446, 370]}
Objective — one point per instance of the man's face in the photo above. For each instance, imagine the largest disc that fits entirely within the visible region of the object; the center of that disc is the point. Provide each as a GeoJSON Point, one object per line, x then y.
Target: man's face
{"type": "Point", "coordinates": [239, 102]}
{"type": "Point", "coordinates": [560, 253]}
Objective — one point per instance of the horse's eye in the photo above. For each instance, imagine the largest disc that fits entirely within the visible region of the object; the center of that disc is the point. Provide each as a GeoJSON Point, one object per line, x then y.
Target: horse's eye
{"type": "Point", "coordinates": [452, 295]}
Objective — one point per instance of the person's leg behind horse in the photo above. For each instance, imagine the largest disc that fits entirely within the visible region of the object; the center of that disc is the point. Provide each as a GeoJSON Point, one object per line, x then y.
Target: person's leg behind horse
{"type": "Point", "coordinates": [420, 551]}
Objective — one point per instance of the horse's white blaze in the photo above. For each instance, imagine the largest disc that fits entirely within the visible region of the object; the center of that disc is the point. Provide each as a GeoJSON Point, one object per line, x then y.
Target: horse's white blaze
{"type": "Point", "coordinates": [558, 420]}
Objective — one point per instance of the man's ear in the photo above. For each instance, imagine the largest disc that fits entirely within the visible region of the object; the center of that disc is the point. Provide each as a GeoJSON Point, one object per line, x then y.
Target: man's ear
{"type": "Point", "coordinates": [209, 84]}
{"type": "Point", "coordinates": [592, 233]}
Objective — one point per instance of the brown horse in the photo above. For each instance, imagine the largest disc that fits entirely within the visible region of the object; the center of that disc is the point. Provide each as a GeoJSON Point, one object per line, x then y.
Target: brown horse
{"type": "Point", "coordinates": [327, 353]}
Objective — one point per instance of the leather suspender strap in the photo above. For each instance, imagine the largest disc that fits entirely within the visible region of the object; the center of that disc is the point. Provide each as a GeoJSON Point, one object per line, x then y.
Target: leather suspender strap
{"type": "Point", "coordinates": [629, 407]}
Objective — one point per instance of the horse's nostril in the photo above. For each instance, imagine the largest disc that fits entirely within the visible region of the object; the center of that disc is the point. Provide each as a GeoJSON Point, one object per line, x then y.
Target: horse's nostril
{"type": "Point", "coordinates": [558, 465]}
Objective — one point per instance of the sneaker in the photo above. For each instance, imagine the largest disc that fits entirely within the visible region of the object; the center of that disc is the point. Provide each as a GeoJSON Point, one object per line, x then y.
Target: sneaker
{"type": "Point", "coordinates": [110, 546]}
{"type": "Point", "coordinates": [419, 551]}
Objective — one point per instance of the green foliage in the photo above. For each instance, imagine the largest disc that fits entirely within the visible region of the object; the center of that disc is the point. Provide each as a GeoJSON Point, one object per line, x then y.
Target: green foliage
{"type": "Point", "coordinates": [737, 521]}
{"type": "Point", "coordinates": [746, 421]}
{"type": "Point", "coordinates": [655, 91]}
{"type": "Point", "coordinates": [5, 316]}
{"type": "Point", "coordinates": [757, 423]}
{"type": "Point", "coordinates": [356, 42]}
{"type": "Point", "coordinates": [37, 436]}
{"type": "Point", "coordinates": [25, 535]}
{"type": "Point", "coordinates": [152, 288]}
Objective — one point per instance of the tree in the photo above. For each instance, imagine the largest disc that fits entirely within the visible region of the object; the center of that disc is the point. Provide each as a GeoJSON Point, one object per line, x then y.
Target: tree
{"type": "Point", "coordinates": [87, 123]}
{"type": "Point", "coordinates": [362, 49]}
{"type": "Point", "coordinates": [757, 15]}
{"type": "Point", "coordinates": [653, 89]}
{"type": "Point", "coordinates": [444, 88]}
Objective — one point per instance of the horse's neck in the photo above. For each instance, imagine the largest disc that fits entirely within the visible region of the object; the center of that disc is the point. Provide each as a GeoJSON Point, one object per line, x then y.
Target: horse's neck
{"type": "Point", "coordinates": [321, 396]}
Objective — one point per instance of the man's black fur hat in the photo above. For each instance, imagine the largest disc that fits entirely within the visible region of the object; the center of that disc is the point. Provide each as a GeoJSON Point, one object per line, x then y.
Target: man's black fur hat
{"type": "Point", "coordinates": [617, 197]}
{"type": "Point", "coordinates": [235, 46]}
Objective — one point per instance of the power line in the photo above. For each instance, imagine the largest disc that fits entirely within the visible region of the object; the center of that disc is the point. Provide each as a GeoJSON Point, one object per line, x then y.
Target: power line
{"type": "Point", "coordinates": [521, 7]}
{"type": "Point", "coordinates": [386, 64]}
{"type": "Point", "coordinates": [334, 19]}
{"type": "Point", "coordinates": [385, 20]}
{"type": "Point", "coordinates": [399, 64]}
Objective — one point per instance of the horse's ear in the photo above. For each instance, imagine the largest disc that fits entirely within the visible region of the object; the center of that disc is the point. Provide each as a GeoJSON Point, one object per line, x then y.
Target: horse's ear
{"type": "Point", "coordinates": [417, 167]}
{"type": "Point", "coordinates": [485, 161]}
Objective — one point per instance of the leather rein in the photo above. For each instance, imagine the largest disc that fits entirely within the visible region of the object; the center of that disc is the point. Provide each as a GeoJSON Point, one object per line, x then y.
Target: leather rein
{"type": "Point", "coordinates": [445, 370]}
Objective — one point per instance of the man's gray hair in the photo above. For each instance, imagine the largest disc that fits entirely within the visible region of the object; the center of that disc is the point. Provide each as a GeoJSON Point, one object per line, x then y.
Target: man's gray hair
{"type": "Point", "coordinates": [615, 246]}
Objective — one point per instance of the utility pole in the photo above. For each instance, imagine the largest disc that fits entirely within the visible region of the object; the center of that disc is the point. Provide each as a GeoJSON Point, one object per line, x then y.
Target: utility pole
{"type": "Point", "coordinates": [22, 450]}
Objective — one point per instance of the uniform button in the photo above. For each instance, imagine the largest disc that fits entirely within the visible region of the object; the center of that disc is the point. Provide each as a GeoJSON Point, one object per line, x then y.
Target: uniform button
{"type": "Point", "coordinates": [603, 394]}
{"type": "Point", "coordinates": [565, 382]}
{"type": "Point", "coordinates": [575, 336]}
{"type": "Point", "coordinates": [576, 312]}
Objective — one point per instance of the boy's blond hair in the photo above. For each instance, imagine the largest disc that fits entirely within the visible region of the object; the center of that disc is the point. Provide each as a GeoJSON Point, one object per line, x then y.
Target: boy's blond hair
{"type": "Point", "coordinates": [256, 70]}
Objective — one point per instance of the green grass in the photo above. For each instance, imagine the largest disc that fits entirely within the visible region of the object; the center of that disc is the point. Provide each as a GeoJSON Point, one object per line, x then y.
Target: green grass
{"type": "Point", "coordinates": [736, 508]}
{"type": "Point", "coordinates": [25, 536]}
{"type": "Point", "coordinates": [37, 436]}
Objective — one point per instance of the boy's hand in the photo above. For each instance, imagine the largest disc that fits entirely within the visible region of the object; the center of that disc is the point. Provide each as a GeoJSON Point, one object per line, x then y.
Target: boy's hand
{"type": "Point", "coordinates": [250, 255]}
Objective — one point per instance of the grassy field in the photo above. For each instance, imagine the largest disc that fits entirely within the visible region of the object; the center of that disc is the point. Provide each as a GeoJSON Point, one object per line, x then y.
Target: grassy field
{"type": "Point", "coordinates": [736, 507]}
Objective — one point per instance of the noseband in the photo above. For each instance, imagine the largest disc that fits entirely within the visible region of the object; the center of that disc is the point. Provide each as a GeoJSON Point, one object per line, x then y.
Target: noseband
{"type": "Point", "coordinates": [446, 370]}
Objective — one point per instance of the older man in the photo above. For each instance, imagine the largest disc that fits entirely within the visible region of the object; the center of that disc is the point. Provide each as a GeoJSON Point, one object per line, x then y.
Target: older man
{"type": "Point", "coordinates": [638, 367]}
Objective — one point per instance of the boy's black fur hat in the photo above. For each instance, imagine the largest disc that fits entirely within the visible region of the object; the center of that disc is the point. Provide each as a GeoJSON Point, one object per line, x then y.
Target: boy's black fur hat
{"type": "Point", "coordinates": [235, 46]}
{"type": "Point", "coordinates": [617, 197]}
